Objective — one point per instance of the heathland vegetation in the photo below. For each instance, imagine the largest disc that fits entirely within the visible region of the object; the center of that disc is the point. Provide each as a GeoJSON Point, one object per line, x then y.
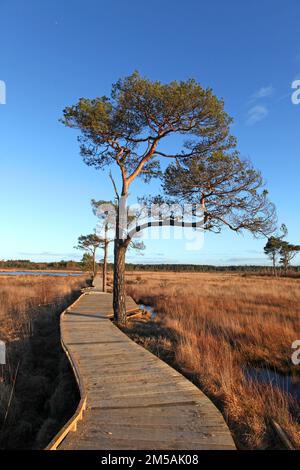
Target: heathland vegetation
{"type": "Point", "coordinates": [38, 392]}
{"type": "Point", "coordinates": [221, 329]}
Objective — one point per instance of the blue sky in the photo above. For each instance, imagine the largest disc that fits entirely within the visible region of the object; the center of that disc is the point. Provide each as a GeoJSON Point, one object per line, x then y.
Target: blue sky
{"type": "Point", "coordinates": [54, 52]}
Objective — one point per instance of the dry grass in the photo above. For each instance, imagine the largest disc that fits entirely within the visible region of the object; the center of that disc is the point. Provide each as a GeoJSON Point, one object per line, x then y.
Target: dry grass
{"type": "Point", "coordinates": [211, 327]}
{"type": "Point", "coordinates": [37, 389]}
{"type": "Point", "coordinates": [21, 295]}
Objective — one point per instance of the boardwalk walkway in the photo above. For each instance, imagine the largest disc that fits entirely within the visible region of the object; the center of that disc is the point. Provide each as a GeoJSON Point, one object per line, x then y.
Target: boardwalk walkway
{"type": "Point", "coordinates": [130, 398]}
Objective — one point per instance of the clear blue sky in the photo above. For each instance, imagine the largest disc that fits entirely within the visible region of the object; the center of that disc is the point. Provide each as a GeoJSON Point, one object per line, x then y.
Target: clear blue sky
{"type": "Point", "coordinates": [53, 52]}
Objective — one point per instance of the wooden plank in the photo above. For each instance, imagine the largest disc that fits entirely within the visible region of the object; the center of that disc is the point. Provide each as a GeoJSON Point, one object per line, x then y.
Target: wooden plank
{"type": "Point", "coordinates": [133, 400]}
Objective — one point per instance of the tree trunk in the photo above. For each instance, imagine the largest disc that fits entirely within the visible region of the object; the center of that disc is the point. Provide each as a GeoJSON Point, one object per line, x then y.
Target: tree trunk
{"type": "Point", "coordinates": [104, 273]}
{"type": "Point", "coordinates": [119, 294]}
{"type": "Point", "coordinates": [274, 266]}
{"type": "Point", "coordinates": [94, 263]}
{"type": "Point", "coordinates": [285, 262]}
{"type": "Point", "coordinates": [120, 247]}
{"type": "Point", "coordinates": [286, 267]}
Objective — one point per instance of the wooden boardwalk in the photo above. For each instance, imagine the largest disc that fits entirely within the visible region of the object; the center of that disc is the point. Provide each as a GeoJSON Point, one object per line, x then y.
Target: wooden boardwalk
{"type": "Point", "coordinates": [130, 399]}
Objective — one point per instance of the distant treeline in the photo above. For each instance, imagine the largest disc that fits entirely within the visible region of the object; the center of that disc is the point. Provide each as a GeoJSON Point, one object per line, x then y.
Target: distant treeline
{"type": "Point", "coordinates": [203, 268]}
{"type": "Point", "coordinates": [53, 265]}
{"type": "Point", "coordinates": [77, 266]}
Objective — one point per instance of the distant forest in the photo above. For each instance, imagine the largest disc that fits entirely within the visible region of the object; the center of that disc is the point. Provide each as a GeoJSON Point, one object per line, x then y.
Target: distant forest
{"type": "Point", "coordinates": [78, 266]}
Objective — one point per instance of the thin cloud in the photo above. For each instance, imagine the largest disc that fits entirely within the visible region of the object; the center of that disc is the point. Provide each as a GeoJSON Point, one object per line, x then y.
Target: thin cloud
{"type": "Point", "coordinates": [263, 92]}
{"type": "Point", "coordinates": [257, 111]}
{"type": "Point", "coordinates": [256, 114]}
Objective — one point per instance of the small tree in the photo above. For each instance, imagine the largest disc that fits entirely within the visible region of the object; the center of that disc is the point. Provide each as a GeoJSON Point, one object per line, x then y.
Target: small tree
{"type": "Point", "coordinates": [106, 225]}
{"type": "Point", "coordinates": [106, 212]}
{"type": "Point", "coordinates": [272, 250]}
{"type": "Point", "coordinates": [87, 262]}
{"type": "Point", "coordinates": [273, 247]}
{"type": "Point", "coordinates": [287, 253]}
{"type": "Point", "coordinates": [90, 243]}
{"type": "Point", "coordinates": [129, 130]}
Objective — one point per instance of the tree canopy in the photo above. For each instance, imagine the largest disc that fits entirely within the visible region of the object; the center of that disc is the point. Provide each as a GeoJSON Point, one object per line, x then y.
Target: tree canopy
{"type": "Point", "coordinates": [106, 211]}
{"type": "Point", "coordinates": [129, 127]}
{"type": "Point", "coordinates": [288, 251]}
{"type": "Point", "coordinates": [231, 192]}
{"type": "Point", "coordinates": [87, 262]}
{"type": "Point", "coordinates": [273, 246]}
{"type": "Point", "coordinates": [89, 242]}
{"type": "Point", "coordinates": [277, 247]}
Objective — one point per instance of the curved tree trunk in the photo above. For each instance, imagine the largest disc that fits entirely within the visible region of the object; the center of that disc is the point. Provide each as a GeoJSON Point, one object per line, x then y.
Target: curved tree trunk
{"type": "Point", "coordinates": [119, 294]}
